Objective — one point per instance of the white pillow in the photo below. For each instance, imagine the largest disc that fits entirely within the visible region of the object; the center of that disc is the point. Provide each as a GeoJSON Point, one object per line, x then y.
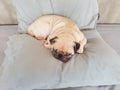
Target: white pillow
{"type": "Point", "coordinates": [29, 65]}
{"type": "Point", "coordinates": [83, 12]}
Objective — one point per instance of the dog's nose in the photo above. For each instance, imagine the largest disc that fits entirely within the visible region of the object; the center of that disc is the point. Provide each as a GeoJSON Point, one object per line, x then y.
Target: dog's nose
{"type": "Point", "coordinates": [59, 55]}
{"type": "Point", "coordinates": [62, 57]}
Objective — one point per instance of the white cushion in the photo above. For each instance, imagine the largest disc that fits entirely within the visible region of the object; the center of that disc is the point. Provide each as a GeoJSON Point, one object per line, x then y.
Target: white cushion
{"type": "Point", "coordinates": [83, 12]}
{"type": "Point", "coordinates": [29, 65]}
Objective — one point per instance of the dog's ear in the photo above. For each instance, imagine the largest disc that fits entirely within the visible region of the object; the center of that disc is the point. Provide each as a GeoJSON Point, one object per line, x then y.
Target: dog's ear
{"type": "Point", "coordinates": [53, 40]}
{"type": "Point", "coordinates": [76, 47]}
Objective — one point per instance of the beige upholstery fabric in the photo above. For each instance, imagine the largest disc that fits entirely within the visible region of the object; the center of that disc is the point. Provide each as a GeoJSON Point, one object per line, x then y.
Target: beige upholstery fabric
{"type": "Point", "coordinates": [7, 12]}
{"type": "Point", "coordinates": [109, 10]}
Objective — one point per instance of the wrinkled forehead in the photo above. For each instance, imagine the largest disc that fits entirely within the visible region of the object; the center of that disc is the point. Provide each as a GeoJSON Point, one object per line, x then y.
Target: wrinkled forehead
{"type": "Point", "coordinates": [64, 47]}
{"type": "Point", "coordinates": [65, 40]}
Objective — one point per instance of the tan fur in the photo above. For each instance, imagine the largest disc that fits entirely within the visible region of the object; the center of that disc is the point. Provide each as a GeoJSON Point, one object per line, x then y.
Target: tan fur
{"type": "Point", "coordinates": [66, 30]}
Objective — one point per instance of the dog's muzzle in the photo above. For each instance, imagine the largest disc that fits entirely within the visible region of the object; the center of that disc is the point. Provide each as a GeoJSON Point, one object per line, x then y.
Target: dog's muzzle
{"type": "Point", "coordinates": [62, 56]}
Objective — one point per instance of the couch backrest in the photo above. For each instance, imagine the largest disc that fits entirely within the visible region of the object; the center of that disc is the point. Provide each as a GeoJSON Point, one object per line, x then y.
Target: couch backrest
{"type": "Point", "coordinates": [83, 12]}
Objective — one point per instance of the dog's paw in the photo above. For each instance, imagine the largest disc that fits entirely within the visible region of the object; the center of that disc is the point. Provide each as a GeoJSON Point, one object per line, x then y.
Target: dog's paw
{"type": "Point", "coordinates": [80, 51]}
{"type": "Point", "coordinates": [41, 38]}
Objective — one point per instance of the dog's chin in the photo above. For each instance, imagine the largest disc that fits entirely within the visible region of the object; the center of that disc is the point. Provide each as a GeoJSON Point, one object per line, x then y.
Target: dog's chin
{"type": "Point", "coordinates": [65, 60]}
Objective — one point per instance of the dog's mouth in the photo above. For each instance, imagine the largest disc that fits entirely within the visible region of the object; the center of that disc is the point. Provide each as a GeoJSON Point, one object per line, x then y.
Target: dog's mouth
{"type": "Point", "coordinates": [62, 56]}
{"type": "Point", "coordinates": [65, 60]}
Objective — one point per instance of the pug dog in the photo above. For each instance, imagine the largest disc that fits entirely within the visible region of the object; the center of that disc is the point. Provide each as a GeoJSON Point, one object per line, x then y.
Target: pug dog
{"type": "Point", "coordinates": [60, 34]}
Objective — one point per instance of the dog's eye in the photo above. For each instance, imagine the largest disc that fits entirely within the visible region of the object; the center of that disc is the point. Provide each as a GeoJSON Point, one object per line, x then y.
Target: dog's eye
{"type": "Point", "coordinates": [53, 40]}
{"type": "Point", "coordinates": [46, 43]}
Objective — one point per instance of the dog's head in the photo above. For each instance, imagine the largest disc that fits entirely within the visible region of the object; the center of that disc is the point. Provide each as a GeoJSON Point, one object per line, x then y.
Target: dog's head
{"type": "Point", "coordinates": [62, 48]}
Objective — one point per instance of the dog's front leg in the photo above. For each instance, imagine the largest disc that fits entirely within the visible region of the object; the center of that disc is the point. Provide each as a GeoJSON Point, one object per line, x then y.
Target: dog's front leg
{"type": "Point", "coordinates": [82, 44]}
